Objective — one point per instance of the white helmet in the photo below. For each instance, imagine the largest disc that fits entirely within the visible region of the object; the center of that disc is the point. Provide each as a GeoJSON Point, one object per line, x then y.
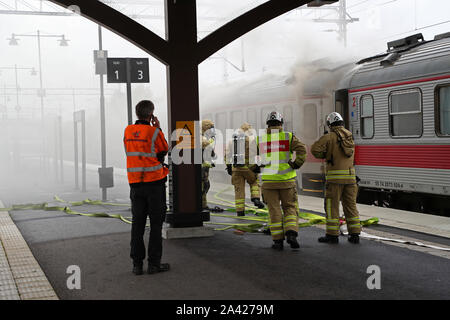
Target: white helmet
{"type": "Point", "coordinates": [334, 117]}
{"type": "Point", "coordinates": [274, 116]}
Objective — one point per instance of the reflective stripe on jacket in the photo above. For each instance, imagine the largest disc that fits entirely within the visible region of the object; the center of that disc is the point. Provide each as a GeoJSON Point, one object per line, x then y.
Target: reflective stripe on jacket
{"type": "Point", "coordinates": [341, 175]}
{"type": "Point", "coordinates": [274, 149]}
{"type": "Point", "coordinates": [142, 145]}
{"type": "Point", "coordinates": [339, 167]}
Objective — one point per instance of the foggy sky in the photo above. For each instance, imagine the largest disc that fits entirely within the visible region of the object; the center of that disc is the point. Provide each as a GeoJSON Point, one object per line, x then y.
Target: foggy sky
{"type": "Point", "coordinates": [276, 45]}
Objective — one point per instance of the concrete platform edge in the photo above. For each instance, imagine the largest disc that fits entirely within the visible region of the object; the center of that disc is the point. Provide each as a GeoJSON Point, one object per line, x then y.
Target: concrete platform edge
{"type": "Point", "coordinates": [27, 281]}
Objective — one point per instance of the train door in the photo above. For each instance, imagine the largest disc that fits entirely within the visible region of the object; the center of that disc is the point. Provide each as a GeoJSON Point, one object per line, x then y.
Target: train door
{"type": "Point", "coordinates": [311, 120]}
{"type": "Point", "coordinates": [341, 105]}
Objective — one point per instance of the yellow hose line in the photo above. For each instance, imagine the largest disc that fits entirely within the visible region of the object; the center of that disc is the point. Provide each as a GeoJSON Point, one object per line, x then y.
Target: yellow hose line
{"type": "Point", "coordinates": [248, 227]}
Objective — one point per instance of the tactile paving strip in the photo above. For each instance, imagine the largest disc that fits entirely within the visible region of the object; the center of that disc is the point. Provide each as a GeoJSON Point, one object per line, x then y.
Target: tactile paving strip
{"type": "Point", "coordinates": [21, 277]}
{"type": "Point", "coordinates": [8, 289]}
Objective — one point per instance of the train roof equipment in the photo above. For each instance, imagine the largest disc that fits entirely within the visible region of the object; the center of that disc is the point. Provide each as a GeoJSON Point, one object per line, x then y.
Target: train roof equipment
{"type": "Point", "coordinates": [408, 58]}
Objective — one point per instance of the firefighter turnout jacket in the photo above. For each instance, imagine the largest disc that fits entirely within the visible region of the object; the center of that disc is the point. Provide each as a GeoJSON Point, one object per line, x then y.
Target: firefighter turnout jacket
{"type": "Point", "coordinates": [278, 175]}
{"type": "Point", "coordinates": [276, 148]}
{"type": "Point", "coordinates": [337, 147]}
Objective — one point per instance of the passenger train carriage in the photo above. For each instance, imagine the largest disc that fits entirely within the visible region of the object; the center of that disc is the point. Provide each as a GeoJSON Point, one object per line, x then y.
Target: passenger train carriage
{"type": "Point", "coordinates": [397, 104]}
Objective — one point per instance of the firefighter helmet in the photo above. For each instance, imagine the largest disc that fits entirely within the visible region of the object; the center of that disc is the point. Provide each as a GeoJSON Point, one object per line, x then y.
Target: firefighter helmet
{"type": "Point", "coordinates": [333, 118]}
{"type": "Point", "coordinates": [274, 116]}
{"type": "Point", "coordinates": [206, 125]}
{"type": "Point", "coordinates": [246, 126]}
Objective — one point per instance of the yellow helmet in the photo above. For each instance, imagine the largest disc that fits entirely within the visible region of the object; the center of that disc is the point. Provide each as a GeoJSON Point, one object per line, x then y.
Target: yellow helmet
{"type": "Point", "coordinates": [246, 126]}
{"type": "Point", "coordinates": [206, 125]}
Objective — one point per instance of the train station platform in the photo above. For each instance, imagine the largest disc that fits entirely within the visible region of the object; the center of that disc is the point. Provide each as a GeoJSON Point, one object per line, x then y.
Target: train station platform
{"type": "Point", "coordinates": [229, 265]}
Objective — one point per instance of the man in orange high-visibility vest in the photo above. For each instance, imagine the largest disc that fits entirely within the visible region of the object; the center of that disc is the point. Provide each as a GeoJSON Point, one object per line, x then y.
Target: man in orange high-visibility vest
{"type": "Point", "coordinates": [146, 147]}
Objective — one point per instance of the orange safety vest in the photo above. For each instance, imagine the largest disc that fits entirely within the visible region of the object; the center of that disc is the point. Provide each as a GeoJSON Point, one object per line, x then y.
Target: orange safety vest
{"type": "Point", "coordinates": [142, 144]}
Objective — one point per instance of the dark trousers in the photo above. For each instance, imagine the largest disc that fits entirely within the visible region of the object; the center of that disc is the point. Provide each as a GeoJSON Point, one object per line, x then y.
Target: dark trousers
{"type": "Point", "coordinates": [147, 200]}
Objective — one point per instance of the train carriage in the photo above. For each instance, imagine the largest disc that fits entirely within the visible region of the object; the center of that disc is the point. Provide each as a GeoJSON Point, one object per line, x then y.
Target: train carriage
{"type": "Point", "coordinates": [397, 105]}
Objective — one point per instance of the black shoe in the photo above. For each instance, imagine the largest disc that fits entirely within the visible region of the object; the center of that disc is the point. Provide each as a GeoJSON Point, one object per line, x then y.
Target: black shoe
{"type": "Point", "coordinates": [277, 245]}
{"type": "Point", "coordinates": [354, 238]}
{"type": "Point", "coordinates": [240, 213]}
{"type": "Point", "coordinates": [158, 268]}
{"type": "Point", "coordinates": [291, 238]}
{"type": "Point", "coordinates": [329, 239]}
{"type": "Point", "coordinates": [137, 269]}
{"type": "Point", "coordinates": [258, 203]}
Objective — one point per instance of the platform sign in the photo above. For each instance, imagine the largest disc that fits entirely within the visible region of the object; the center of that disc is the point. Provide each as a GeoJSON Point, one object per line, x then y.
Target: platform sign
{"type": "Point", "coordinates": [139, 70]}
{"type": "Point", "coordinates": [117, 70]}
{"type": "Point", "coordinates": [100, 59]}
{"type": "Point", "coordinates": [128, 70]}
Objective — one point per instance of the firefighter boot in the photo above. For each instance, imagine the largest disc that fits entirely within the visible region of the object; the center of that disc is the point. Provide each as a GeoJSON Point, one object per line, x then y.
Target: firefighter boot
{"type": "Point", "coordinates": [291, 238]}
{"type": "Point", "coordinates": [354, 238]}
{"type": "Point", "coordinates": [329, 239]}
{"type": "Point", "coordinates": [258, 203]}
{"type": "Point", "coordinates": [277, 245]}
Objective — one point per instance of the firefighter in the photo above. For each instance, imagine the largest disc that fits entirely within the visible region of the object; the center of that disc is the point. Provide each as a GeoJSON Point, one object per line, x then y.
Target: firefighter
{"type": "Point", "coordinates": [146, 147]}
{"type": "Point", "coordinates": [237, 159]}
{"type": "Point", "coordinates": [276, 148]}
{"type": "Point", "coordinates": [338, 148]}
{"type": "Point", "coordinates": [208, 144]}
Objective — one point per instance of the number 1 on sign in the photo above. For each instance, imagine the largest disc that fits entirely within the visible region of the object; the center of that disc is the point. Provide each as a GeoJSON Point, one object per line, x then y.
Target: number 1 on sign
{"type": "Point", "coordinates": [117, 74]}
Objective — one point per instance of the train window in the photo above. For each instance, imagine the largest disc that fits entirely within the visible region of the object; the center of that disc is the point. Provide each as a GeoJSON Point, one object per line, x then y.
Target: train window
{"type": "Point", "coordinates": [221, 121]}
{"type": "Point", "coordinates": [252, 118]}
{"type": "Point", "coordinates": [287, 115]}
{"type": "Point", "coordinates": [367, 117]}
{"type": "Point", "coordinates": [310, 121]}
{"type": "Point", "coordinates": [443, 110]}
{"type": "Point", "coordinates": [405, 112]}
{"type": "Point", "coordinates": [236, 119]}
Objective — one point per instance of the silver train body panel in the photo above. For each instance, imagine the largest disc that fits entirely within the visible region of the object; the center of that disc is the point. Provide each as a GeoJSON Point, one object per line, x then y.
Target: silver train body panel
{"type": "Point", "coordinates": [422, 69]}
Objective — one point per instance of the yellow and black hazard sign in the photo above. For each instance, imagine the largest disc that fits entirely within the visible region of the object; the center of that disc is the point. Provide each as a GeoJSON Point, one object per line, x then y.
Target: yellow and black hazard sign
{"type": "Point", "coordinates": [185, 134]}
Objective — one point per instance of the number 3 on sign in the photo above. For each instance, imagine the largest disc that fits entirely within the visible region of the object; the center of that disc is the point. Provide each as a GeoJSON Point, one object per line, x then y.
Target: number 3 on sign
{"type": "Point", "coordinates": [140, 74]}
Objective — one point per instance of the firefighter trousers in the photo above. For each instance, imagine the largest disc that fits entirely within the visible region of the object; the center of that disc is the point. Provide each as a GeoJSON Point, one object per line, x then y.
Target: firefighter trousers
{"type": "Point", "coordinates": [334, 195]}
{"type": "Point", "coordinates": [205, 186]}
{"type": "Point", "coordinates": [238, 179]}
{"type": "Point", "coordinates": [285, 217]}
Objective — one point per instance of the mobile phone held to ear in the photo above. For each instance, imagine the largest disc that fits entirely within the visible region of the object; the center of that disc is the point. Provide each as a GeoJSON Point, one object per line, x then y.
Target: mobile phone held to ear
{"type": "Point", "coordinates": [154, 121]}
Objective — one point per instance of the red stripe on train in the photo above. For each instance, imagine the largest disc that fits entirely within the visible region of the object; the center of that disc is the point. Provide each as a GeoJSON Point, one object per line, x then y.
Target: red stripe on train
{"type": "Point", "coordinates": [408, 156]}
{"type": "Point", "coordinates": [400, 83]}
